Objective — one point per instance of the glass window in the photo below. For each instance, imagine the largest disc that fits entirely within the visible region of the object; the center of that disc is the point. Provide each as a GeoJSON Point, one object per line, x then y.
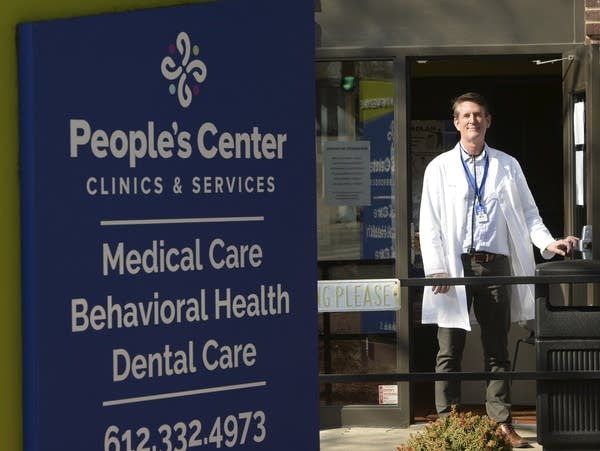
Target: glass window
{"type": "Point", "coordinates": [355, 104]}
{"type": "Point", "coordinates": [356, 216]}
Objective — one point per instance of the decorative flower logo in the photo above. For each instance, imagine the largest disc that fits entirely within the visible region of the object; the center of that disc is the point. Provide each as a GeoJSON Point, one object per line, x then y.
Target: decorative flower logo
{"type": "Point", "coordinates": [186, 72]}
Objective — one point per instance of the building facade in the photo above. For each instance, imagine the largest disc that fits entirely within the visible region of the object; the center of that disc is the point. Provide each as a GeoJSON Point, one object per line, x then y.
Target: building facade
{"type": "Point", "coordinates": [385, 74]}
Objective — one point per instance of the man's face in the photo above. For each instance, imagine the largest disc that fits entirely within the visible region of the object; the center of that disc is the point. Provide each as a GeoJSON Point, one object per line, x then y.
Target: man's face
{"type": "Point", "coordinates": [472, 121]}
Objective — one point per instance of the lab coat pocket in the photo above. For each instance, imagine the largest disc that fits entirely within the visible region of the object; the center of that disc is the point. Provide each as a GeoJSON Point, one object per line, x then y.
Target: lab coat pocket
{"type": "Point", "coordinates": [457, 192]}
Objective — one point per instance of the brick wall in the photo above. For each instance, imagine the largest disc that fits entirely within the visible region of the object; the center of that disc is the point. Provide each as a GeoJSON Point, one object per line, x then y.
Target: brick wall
{"type": "Point", "coordinates": [592, 21]}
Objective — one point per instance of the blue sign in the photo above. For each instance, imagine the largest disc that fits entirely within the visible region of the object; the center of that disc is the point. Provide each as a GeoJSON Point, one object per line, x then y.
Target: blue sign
{"type": "Point", "coordinates": [377, 219]}
{"type": "Point", "coordinates": [168, 225]}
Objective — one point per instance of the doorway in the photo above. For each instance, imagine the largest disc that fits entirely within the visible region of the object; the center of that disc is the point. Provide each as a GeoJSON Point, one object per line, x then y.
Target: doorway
{"type": "Point", "coordinates": [525, 97]}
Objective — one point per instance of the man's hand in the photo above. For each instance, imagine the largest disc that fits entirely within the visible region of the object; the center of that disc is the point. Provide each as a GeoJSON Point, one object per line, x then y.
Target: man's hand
{"type": "Point", "coordinates": [564, 246]}
{"type": "Point", "coordinates": [440, 288]}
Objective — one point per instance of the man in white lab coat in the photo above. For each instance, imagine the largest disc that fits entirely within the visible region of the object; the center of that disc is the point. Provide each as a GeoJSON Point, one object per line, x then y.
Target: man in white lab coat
{"type": "Point", "coordinates": [478, 218]}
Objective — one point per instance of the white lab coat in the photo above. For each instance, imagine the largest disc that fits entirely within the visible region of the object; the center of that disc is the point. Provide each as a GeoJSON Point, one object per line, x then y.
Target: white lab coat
{"type": "Point", "coordinates": [442, 227]}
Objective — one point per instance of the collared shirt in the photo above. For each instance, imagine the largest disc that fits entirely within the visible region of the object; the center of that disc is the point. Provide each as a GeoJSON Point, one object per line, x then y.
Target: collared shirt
{"type": "Point", "coordinates": [491, 235]}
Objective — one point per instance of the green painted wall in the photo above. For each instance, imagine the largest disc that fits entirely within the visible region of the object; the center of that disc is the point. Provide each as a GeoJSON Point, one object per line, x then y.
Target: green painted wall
{"type": "Point", "coordinates": [13, 12]}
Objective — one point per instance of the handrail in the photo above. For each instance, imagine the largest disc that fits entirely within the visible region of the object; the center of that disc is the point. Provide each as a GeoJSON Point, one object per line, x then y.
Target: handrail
{"type": "Point", "coordinates": [471, 376]}
{"type": "Point", "coordinates": [511, 375]}
{"type": "Point", "coordinates": [500, 280]}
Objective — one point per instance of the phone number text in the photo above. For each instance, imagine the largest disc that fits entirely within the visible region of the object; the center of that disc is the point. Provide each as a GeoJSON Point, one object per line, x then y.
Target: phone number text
{"type": "Point", "coordinates": [229, 431]}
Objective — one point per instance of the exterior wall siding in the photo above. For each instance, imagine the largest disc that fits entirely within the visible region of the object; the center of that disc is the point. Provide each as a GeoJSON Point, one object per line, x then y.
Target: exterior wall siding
{"type": "Point", "coordinates": [444, 23]}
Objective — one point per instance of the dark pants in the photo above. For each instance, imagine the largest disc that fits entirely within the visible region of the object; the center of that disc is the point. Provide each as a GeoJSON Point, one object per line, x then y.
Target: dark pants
{"type": "Point", "coordinates": [491, 305]}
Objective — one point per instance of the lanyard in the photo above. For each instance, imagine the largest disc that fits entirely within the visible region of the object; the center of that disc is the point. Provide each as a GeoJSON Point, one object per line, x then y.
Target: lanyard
{"type": "Point", "coordinates": [472, 181]}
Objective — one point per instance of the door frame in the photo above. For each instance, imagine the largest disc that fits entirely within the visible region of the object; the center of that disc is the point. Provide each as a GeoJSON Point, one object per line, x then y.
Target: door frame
{"type": "Point", "coordinates": [581, 77]}
{"type": "Point", "coordinates": [402, 415]}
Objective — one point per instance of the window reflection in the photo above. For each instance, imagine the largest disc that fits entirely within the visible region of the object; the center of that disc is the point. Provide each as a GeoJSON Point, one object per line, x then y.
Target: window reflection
{"type": "Point", "coordinates": [355, 104]}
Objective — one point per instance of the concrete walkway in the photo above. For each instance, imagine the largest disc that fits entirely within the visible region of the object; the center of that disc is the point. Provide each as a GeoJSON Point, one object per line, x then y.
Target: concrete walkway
{"type": "Point", "coordinates": [384, 439]}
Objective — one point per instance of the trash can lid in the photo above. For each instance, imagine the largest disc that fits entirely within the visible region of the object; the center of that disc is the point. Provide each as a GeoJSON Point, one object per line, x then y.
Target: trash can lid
{"type": "Point", "coordinates": [567, 267]}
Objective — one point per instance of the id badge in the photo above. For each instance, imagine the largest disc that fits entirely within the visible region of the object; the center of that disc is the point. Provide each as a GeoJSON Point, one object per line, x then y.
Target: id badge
{"type": "Point", "coordinates": [481, 214]}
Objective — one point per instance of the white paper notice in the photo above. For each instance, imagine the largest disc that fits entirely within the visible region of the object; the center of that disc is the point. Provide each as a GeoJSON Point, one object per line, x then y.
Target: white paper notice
{"type": "Point", "coordinates": [579, 177]}
{"type": "Point", "coordinates": [347, 176]}
{"type": "Point", "coordinates": [579, 123]}
{"type": "Point", "coordinates": [388, 394]}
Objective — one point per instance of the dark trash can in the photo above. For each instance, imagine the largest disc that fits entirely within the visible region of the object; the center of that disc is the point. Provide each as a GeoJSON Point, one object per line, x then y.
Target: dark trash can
{"type": "Point", "coordinates": [567, 340]}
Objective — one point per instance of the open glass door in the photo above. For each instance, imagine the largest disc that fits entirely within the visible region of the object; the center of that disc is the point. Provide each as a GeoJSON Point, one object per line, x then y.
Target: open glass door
{"type": "Point", "coordinates": [581, 98]}
{"type": "Point", "coordinates": [356, 208]}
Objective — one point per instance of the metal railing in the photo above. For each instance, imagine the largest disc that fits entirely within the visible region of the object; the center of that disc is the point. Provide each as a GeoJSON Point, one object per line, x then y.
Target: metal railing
{"type": "Point", "coordinates": [540, 280]}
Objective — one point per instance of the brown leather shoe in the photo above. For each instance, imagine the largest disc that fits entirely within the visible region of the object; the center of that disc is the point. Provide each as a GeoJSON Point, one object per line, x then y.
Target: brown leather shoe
{"type": "Point", "coordinates": [511, 435]}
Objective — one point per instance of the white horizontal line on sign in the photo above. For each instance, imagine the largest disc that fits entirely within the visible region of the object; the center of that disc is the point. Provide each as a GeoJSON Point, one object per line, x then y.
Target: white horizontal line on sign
{"type": "Point", "coordinates": [129, 222]}
{"type": "Point", "coordinates": [181, 394]}
{"type": "Point", "coordinates": [358, 295]}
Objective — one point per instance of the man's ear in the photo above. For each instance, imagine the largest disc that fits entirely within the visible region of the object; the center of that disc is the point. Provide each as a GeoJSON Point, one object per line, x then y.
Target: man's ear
{"type": "Point", "coordinates": [489, 120]}
{"type": "Point", "coordinates": [456, 123]}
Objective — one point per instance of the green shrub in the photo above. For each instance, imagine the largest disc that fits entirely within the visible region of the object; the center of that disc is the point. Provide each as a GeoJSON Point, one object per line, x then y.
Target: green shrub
{"type": "Point", "coordinates": [459, 432]}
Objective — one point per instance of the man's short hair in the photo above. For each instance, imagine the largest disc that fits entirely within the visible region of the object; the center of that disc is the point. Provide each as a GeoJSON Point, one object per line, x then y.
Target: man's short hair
{"type": "Point", "coordinates": [470, 97]}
